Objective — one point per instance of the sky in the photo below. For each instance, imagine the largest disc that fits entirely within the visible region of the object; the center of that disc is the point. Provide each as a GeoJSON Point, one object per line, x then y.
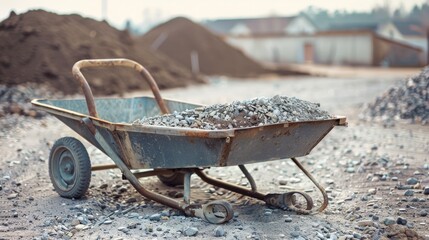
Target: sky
{"type": "Point", "coordinates": [138, 11]}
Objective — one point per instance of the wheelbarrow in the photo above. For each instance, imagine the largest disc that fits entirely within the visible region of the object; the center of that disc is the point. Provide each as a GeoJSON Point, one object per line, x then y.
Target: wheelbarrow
{"type": "Point", "coordinates": [172, 154]}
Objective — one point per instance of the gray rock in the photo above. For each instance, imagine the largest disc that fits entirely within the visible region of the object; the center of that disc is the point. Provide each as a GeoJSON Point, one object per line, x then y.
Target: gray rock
{"type": "Point", "coordinates": [357, 235]}
{"type": "Point", "coordinates": [155, 217]}
{"type": "Point", "coordinates": [123, 229]}
{"type": "Point", "coordinates": [426, 191]}
{"type": "Point", "coordinates": [75, 222]}
{"type": "Point", "coordinates": [423, 213]}
{"type": "Point", "coordinates": [282, 182]}
{"type": "Point", "coordinates": [294, 234]}
{"type": "Point", "coordinates": [219, 231]}
{"type": "Point", "coordinates": [12, 196]}
{"type": "Point", "coordinates": [401, 221]}
{"type": "Point", "coordinates": [350, 170]}
{"type": "Point", "coordinates": [133, 215]}
{"type": "Point", "coordinates": [365, 223]}
{"type": "Point", "coordinates": [190, 231]}
{"type": "Point", "coordinates": [412, 181]}
{"type": "Point", "coordinates": [409, 192]}
{"type": "Point", "coordinates": [389, 221]}
{"type": "Point", "coordinates": [288, 219]}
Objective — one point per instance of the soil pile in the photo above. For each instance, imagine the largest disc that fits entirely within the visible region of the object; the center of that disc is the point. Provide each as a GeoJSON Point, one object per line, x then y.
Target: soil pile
{"type": "Point", "coordinates": [180, 38]}
{"type": "Point", "coordinates": [41, 47]}
{"type": "Point", "coordinates": [16, 99]}
{"type": "Point", "coordinates": [409, 101]}
{"type": "Point", "coordinates": [255, 112]}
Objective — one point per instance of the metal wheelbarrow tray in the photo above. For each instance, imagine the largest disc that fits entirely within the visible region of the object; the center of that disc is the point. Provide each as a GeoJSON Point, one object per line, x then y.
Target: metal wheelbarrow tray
{"type": "Point", "coordinates": [173, 154]}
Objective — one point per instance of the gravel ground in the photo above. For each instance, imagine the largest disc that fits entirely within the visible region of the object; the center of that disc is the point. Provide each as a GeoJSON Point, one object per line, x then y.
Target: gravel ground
{"type": "Point", "coordinates": [375, 178]}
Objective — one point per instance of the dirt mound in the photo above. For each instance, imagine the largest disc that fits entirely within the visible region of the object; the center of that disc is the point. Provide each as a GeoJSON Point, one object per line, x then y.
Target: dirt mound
{"type": "Point", "coordinates": [409, 100]}
{"type": "Point", "coordinates": [179, 37]}
{"type": "Point", "coordinates": [41, 47]}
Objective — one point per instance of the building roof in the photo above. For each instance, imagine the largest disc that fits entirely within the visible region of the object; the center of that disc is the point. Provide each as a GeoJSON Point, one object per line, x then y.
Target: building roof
{"type": "Point", "coordinates": [372, 26]}
{"type": "Point", "coordinates": [410, 28]}
{"type": "Point", "coordinates": [257, 26]}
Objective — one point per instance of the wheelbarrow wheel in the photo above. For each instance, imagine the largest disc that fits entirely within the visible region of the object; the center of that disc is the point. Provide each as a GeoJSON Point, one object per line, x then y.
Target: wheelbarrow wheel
{"type": "Point", "coordinates": [69, 168]}
{"type": "Point", "coordinates": [173, 179]}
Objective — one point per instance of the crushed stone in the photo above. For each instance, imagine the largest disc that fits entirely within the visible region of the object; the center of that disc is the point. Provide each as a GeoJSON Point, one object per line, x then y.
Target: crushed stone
{"type": "Point", "coordinates": [248, 113]}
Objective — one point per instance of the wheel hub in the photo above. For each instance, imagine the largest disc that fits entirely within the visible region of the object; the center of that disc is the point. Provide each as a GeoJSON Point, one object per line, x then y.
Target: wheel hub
{"type": "Point", "coordinates": [66, 167]}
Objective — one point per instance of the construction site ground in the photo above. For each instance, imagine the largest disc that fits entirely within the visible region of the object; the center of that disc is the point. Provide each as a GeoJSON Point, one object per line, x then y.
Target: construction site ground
{"type": "Point", "coordinates": [360, 166]}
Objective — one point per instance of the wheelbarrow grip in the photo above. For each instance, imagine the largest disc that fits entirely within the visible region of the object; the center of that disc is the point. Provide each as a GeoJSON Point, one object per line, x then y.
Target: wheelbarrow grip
{"type": "Point", "coordinates": [120, 62]}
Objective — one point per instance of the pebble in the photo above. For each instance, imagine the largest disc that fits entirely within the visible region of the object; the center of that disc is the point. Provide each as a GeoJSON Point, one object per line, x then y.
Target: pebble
{"type": "Point", "coordinates": [282, 182]}
{"type": "Point", "coordinates": [12, 196]}
{"type": "Point", "coordinates": [423, 213]}
{"type": "Point", "coordinates": [401, 221]}
{"type": "Point", "coordinates": [412, 181]}
{"type": "Point", "coordinates": [133, 215]}
{"type": "Point", "coordinates": [389, 221]}
{"type": "Point", "coordinates": [75, 222]}
{"type": "Point", "coordinates": [350, 170]}
{"type": "Point", "coordinates": [426, 191]}
{"type": "Point", "coordinates": [394, 179]}
{"type": "Point", "coordinates": [409, 192]}
{"type": "Point", "coordinates": [294, 234]}
{"type": "Point", "coordinates": [365, 223]}
{"type": "Point", "coordinates": [372, 191]}
{"type": "Point", "coordinates": [288, 219]}
{"type": "Point", "coordinates": [190, 231]}
{"type": "Point", "coordinates": [80, 227]}
{"type": "Point", "coordinates": [123, 229]}
{"type": "Point", "coordinates": [107, 222]}
{"type": "Point", "coordinates": [155, 217]}
{"type": "Point", "coordinates": [219, 231]}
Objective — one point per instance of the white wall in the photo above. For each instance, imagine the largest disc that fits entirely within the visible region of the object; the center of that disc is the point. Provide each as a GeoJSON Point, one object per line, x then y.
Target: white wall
{"type": "Point", "coordinates": [273, 49]}
{"type": "Point", "coordinates": [344, 49]}
{"type": "Point", "coordinates": [335, 49]}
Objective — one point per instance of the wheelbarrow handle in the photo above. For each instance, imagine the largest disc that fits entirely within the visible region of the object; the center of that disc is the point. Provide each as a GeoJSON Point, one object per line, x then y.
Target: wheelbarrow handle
{"type": "Point", "coordinates": [120, 62]}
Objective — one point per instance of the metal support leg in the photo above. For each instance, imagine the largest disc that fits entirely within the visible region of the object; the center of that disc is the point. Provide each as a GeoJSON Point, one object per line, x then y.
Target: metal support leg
{"type": "Point", "coordinates": [187, 188]}
{"type": "Point", "coordinates": [249, 177]}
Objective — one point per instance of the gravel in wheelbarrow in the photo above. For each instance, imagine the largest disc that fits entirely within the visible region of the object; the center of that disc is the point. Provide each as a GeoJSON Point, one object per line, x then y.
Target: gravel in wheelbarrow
{"type": "Point", "coordinates": [248, 113]}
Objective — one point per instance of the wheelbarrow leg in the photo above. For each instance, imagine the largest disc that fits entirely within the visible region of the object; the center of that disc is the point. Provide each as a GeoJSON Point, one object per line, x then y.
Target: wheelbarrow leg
{"type": "Point", "coordinates": [286, 200]}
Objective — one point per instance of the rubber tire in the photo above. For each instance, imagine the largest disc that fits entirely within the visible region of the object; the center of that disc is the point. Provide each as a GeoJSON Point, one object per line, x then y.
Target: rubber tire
{"type": "Point", "coordinates": [172, 180]}
{"type": "Point", "coordinates": [81, 168]}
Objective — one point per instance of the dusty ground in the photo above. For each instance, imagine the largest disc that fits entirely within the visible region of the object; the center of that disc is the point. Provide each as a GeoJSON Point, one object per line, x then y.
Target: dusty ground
{"type": "Point", "coordinates": [361, 167]}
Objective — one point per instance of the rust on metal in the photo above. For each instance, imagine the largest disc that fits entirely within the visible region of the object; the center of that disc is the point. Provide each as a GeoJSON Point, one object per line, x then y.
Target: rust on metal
{"type": "Point", "coordinates": [229, 186]}
{"type": "Point", "coordinates": [103, 167]}
{"type": "Point", "coordinates": [321, 189]}
{"type": "Point", "coordinates": [152, 173]}
{"type": "Point", "coordinates": [225, 151]}
{"type": "Point", "coordinates": [113, 63]}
